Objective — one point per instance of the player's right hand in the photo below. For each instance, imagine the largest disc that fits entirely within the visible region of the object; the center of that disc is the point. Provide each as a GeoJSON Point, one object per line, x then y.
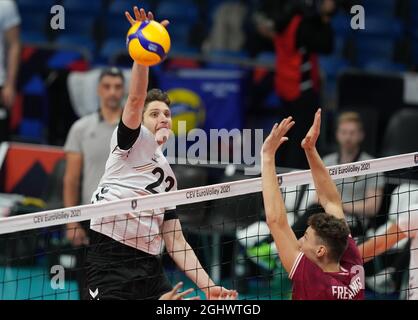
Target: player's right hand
{"type": "Point", "coordinates": [309, 142]}
{"type": "Point", "coordinates": [140, 15]}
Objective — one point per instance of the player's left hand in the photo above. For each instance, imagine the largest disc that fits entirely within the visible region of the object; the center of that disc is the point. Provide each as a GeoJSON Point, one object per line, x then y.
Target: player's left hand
{"type": "Point", "coordinates": [140, 15]}
{"type": "Point", "coordinates": [277, 136]}
{"type": "Point", "coordinates": [173, 294]}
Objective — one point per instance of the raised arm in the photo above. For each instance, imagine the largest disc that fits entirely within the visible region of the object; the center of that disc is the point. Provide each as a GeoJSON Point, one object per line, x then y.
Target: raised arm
{"type": "Point", "coordinates": [369, 206]}
{"type": "Point", "coordinates": [13, 57]}
{"type": "Point", "coordinates": [327, 191]}
{"type": "Point", "coordinates": [276, 216]}
{"type": "Point", "coordinates": [132, 113]}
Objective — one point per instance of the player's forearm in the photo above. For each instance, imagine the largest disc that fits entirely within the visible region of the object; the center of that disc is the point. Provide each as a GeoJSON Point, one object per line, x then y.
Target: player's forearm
{"type": "Point", "coordinates": [195, 271]}
{"type": "Point", "coordinates": [132, 113]}
{"type": "Point", "coordinates": [139, 81]}
{"type": "Point", "coordinates": [326, 188]}
{"type": "Point", "coordinates": [273, 201]}
{"type": "Point", "coordinates": [71, 198]}
{"type": "Point", "coordinates": [370, 249]}
{"type": "Point", "coordinates": [362, 208]}
{"type": "Point", "coordinates": [187, 261]}
{"type": "Point", "coordinates": [13, 59]}
{"type": "Point", "coordinates": [369, 206]}
{"type": "Point", "coordinates": [380, 243]}
{"type": "Point", "coordinates": [71, 192]}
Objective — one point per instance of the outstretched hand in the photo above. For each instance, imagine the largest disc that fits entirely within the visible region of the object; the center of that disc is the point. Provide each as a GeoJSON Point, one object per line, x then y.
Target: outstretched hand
{"type": "Point", "coordinates": [309, 142]}
{"type": "Point", "coordinates": [140, 16]}
{"type": "Point", "coordinates": [277, 136]}
{"type": "Point", "coordinates": [173, 294]}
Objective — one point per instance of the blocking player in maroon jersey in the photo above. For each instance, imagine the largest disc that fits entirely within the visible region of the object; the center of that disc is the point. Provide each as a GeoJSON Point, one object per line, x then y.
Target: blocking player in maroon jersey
{"type": "Point", "coordinates": [325, 263]}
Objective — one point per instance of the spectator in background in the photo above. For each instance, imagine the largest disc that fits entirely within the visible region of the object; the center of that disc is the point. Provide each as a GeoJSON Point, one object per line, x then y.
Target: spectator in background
{"type": "Point", "coordinates": [264, 11]}
{"type": "Point", "coordinates": [9, 52]}
{"type": "Point", "coordinates": [299, 33]}
{"type": "Point", "coordinates": [227, 31]}
{"type": "Point", "coordinates": [87, 149]}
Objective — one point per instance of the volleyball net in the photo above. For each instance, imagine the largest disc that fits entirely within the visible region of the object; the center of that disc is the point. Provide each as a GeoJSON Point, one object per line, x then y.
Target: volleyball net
{"type": "Point", "coordinates": [224, 224]}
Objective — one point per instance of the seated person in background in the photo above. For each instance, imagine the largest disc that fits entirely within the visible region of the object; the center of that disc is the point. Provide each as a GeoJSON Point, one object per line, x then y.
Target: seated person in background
{"type": "Point", "coordinates": [227, 32]}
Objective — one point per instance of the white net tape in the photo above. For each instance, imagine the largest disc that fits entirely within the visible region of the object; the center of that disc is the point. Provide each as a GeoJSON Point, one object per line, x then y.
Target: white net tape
{"type": "Point", "coordinates": [193, 195]}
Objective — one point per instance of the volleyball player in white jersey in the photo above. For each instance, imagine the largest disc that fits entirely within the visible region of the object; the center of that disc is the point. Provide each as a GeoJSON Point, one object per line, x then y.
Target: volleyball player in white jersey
{"type": "Point", "coordinates": [124, 259]}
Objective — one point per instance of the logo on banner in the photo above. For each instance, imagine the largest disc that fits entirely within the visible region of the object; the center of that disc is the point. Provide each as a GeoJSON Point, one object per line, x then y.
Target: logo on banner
{"type": "Point", "coordinates": [134, 204]}
{"type": "Point", "coordinates": [187, 106]}
{"type": "Point", "coordinates": [416, 158]}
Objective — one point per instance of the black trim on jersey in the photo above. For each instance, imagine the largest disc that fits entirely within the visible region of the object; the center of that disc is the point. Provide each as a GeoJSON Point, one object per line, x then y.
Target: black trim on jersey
{"type": "Point", "coordinates": [170, 215]}
{"type": "Point", "coordinates": [127, 136]}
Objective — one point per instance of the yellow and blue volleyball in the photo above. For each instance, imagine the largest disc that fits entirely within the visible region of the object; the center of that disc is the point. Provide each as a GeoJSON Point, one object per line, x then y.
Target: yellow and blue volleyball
{"type": "Point", "coordinates": [148, 42]}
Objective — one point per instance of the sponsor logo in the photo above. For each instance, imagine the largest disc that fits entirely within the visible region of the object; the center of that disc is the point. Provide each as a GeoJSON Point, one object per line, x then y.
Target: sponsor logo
{"type": "Point", "coordinates": [416, 158]}
{"type": "Point", "coordinates": [94, 293]}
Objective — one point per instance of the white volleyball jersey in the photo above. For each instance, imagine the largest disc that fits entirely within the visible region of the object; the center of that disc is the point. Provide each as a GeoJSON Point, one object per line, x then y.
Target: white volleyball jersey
{"type": "Point", "coordinates": [141, 170]}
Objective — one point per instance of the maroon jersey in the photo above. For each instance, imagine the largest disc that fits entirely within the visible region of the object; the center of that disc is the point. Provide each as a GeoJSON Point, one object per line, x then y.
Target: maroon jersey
{"type": "Point", "coordinates": [311, 283]}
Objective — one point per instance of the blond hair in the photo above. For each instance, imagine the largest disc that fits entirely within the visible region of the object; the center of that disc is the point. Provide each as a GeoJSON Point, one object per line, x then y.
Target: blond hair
{"type": "Point", "coordinates": [350, 116]}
